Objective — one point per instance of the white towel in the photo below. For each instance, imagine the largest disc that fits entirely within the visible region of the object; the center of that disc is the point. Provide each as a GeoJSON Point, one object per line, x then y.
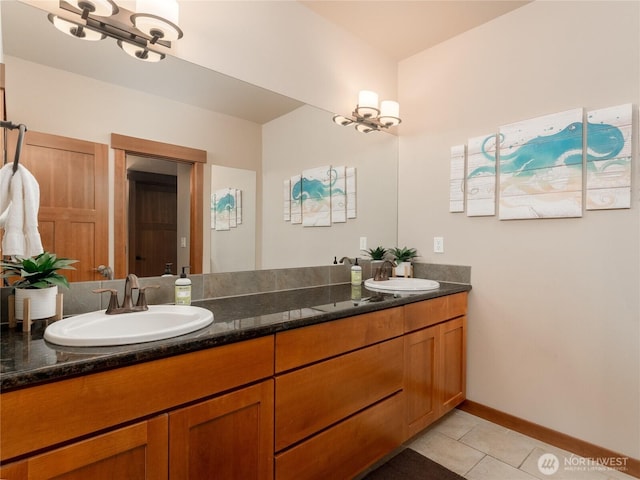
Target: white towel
{"type": "Point", "coordinates": [19, 204]}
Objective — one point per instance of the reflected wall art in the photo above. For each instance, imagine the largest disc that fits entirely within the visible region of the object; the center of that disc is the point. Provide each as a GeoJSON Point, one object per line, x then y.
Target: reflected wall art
{"type": "Point", "coordinates": [320, 196]}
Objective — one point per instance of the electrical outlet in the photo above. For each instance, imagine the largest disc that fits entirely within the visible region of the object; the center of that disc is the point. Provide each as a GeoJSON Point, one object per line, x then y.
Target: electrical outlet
{"type": "Point", "coordinates": [363, 243]}
{"type": "Point", "coordinates": [438, 244]}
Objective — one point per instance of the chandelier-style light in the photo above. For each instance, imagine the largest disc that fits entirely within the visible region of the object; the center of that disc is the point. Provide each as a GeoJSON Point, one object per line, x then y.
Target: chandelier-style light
{"type": "Point", "coordinates": [368, 117]}
{"type": "Point", "coordinates": [139, 33]}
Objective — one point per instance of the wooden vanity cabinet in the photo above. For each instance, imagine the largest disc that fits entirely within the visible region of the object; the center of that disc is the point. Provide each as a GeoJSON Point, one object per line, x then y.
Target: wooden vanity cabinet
{"type": "Point", "coordinates": [322, 401]}
{"type": "Point", "coordinates": [435, 359]}
{"type": "Point", "coordinates": [148, 421]}
{"type": "Point", "coordinates": [338, 395]}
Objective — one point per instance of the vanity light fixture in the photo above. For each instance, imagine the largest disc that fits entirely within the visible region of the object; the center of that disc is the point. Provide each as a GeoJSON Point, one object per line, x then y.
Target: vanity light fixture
{"type": "Point", "coordinates": [141, 34]}
{"type": "Point", "coordinates": [368, 117]}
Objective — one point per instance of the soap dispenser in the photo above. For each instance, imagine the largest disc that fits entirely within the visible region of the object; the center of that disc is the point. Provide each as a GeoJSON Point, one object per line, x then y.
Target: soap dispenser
{"type": "Point", "coordinates": [183, 289]}
{"type": "Point", "coordinates": [356, 273]}
{"type": "Point", "coordinates": [167, 270]}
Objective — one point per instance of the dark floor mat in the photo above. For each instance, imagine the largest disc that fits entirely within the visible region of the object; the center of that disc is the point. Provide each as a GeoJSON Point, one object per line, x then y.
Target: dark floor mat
{"type": "Point", "coordinates": [410, 465]}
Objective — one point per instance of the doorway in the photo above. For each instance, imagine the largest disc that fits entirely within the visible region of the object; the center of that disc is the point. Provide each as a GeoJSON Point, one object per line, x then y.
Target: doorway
{"type": "Point", "coordinates": [192, 158]}
{"type": "Point", "coordinates": [153, 223]}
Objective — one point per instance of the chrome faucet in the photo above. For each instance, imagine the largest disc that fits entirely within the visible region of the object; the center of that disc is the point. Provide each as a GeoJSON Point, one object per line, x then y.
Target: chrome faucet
{"type": "Point", "coordinates": [131, 283]}
{"type": "Point", "coordinates": [383, 271]}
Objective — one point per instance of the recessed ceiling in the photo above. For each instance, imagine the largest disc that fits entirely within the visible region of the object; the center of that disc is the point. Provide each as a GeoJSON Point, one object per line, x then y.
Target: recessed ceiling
{"type": "Point", "coordinates": [403, 28]}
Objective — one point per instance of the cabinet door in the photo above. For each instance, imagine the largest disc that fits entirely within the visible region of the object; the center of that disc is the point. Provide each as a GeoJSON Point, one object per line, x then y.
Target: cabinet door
{"type": "Point", "coordinates": [421, 378]}
{"type": "Point", "coordinates": [227, 437]}
{"type": "Point", "coordinates": [453, 360]}
{"type": "Point", "coordinates": [135, 452]}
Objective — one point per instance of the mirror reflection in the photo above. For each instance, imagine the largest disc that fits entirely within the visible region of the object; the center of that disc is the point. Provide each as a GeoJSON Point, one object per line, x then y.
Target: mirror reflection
{"type": "Point", "coordinates": [59, 85]}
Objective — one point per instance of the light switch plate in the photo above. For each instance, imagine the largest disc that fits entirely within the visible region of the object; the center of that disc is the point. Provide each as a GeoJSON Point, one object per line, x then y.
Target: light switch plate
{"type": "Point", "coordinates": [363, 243]}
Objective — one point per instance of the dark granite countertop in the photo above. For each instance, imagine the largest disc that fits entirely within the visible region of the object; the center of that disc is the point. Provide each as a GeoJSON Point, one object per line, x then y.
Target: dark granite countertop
{"type": "Point", "coordinates": [27, 359]}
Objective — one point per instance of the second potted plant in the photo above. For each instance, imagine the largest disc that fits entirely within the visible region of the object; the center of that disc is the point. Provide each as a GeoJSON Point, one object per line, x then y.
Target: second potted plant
{"type": "Point", "coordinates": [403, 257]}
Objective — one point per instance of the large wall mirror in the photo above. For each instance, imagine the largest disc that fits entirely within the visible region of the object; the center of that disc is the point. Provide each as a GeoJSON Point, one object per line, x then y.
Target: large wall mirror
{"type": "Point", "coordinates": [88, 90]}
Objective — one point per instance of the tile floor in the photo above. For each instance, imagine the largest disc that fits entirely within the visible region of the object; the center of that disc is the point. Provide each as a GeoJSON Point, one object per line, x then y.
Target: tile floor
{"type": "Point", "coordinates": [481, 450]}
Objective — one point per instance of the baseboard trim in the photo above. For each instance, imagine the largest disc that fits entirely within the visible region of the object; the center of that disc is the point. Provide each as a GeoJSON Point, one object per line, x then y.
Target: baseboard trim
{"type": "Point", "coordinates": [547, 435]}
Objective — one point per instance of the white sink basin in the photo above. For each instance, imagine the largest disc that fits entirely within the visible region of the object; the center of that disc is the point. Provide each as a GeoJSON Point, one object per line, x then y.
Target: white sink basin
{"type": "Point", "coordinates": [401, 285]}
{"type": "Point", "coordinates": [99, 329]}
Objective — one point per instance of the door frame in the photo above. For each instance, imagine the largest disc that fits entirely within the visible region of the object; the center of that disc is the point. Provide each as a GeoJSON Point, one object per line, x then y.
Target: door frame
{"type": "Point", "coordinates": [123, 145]}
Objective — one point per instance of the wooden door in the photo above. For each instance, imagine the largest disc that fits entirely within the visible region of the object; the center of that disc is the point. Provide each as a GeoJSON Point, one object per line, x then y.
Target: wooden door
{"type": "Point", "coordinates": [453, 360]}
{"type": "Point", "coordinates": [73, 217]}
{"type": "Point", "coordinates": [421, 378]}
{"type": "Point", "coordinates": [136, 452]}
{"type": "Point", "coordinates": [153, 223]}
{"type": "Point", "coordinates": [227, 437]}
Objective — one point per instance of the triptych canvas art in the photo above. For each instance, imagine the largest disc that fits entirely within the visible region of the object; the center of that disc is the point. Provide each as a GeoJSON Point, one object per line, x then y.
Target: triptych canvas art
{"type": "Point", "coordinates": [226, 209]}
{"type": "Point", "coordinates": [320, 196]}
{"type": "Point", "coordinates": [540, 168]}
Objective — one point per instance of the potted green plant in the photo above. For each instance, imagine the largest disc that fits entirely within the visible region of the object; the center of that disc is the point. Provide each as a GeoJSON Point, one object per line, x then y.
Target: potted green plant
{"type": "Point", "coordinates": [376, 254]}
{"type": "Point", "coordinates": [38, 280]}
{"type": "Point", "coordinates": [403, 257]}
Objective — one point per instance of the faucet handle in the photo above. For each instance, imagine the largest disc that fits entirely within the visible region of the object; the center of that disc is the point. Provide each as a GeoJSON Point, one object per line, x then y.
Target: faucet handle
{"type": "Point", "coordinates": [113, 299]}
{"type": "Point", "coordinates": [141, 304]}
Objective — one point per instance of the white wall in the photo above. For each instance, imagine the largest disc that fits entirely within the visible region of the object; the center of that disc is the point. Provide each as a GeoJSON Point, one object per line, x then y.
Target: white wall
{"type": "Point", "coordinates": [554, 312]}
{"type": "Point", "coordinates": [57, 102]}
{"type": "Point", "coordinates": [307, 138]}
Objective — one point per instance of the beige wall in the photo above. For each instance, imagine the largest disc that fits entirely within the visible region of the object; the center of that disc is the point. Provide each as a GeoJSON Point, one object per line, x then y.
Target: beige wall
{"type": "Point", "coordinates": [554, 312]}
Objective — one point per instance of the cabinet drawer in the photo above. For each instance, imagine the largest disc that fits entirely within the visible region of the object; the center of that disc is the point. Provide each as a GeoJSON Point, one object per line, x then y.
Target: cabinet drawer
{"type": "Point", "coordinates": [302, 346]}
{"type": "Point", "coordinates": [137, 451]}
{"type": "Point", "coordinates": [79, 406]}
{"type": "Point", "coordinates": [347, 448]}
{"type": "Point", "coordinates": [424, 314]}
{"type": "Point", "coordinates": [312, 398]}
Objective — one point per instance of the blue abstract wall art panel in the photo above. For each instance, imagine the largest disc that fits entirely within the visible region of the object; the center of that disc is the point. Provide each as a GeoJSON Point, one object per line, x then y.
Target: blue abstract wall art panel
{"type": "Point", "coordinates": [352, 206]}
{"type": "Point", "coordinates": [316, 197]}
{"type": "Point", "coordinates": [226, 209]}
{"type": "Point", "coordinates": [456, 178]}
{"type": "Point", "coordinates": [481, 175]}
{"type": "Point", "coordinates": [608, 179]}
{"type": "Point", "coordinates": [338, 194]}
{"type": "Point", "coordinates": [540, 167]}
{"type": "Point", "coordinates": [320, 196]}
{"type": "Point", "coordinates": [296, 199]}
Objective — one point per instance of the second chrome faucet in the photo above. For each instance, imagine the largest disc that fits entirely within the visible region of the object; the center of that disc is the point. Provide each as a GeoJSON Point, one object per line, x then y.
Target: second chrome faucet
{"type": "Point", "coordinates": [131, 283]}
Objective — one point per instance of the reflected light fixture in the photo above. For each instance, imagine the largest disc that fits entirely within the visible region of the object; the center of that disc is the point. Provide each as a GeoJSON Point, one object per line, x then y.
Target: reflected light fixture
{"type": "Point", "coordinates": [143, 34]}
{"type": "Point", "coordinates": [367, 117]}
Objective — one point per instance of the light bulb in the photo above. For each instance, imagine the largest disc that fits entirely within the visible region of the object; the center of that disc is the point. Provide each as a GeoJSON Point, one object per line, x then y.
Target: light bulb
{"type": "Point", "coordinates": [367, 104]}
{"type": "Point", "coordinates": [389, 113]}
{"type": "Point", "coordinates": [158, 18]}
{"type": "Point", "coordinates": [140, 53]}
{"type": "Point", "coordinates": [74, 29]}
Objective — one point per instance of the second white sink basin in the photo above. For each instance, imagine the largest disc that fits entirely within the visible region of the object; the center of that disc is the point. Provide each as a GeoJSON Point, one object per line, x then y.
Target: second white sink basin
{"type": "Point", "coordinates": [99, 329]}
{"type": "Point", "coordinates": [402, 285]}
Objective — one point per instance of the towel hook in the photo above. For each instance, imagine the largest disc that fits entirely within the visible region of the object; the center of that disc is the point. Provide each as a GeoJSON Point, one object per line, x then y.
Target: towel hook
{"type": "Point", "coordinates": [21, 131]}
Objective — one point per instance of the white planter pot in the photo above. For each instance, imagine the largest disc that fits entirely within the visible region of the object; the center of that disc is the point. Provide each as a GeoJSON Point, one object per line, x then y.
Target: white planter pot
{"type": "Point", "coordinates": [42, 302]}
{"type": "Point", "coordinates": [403, 269]}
